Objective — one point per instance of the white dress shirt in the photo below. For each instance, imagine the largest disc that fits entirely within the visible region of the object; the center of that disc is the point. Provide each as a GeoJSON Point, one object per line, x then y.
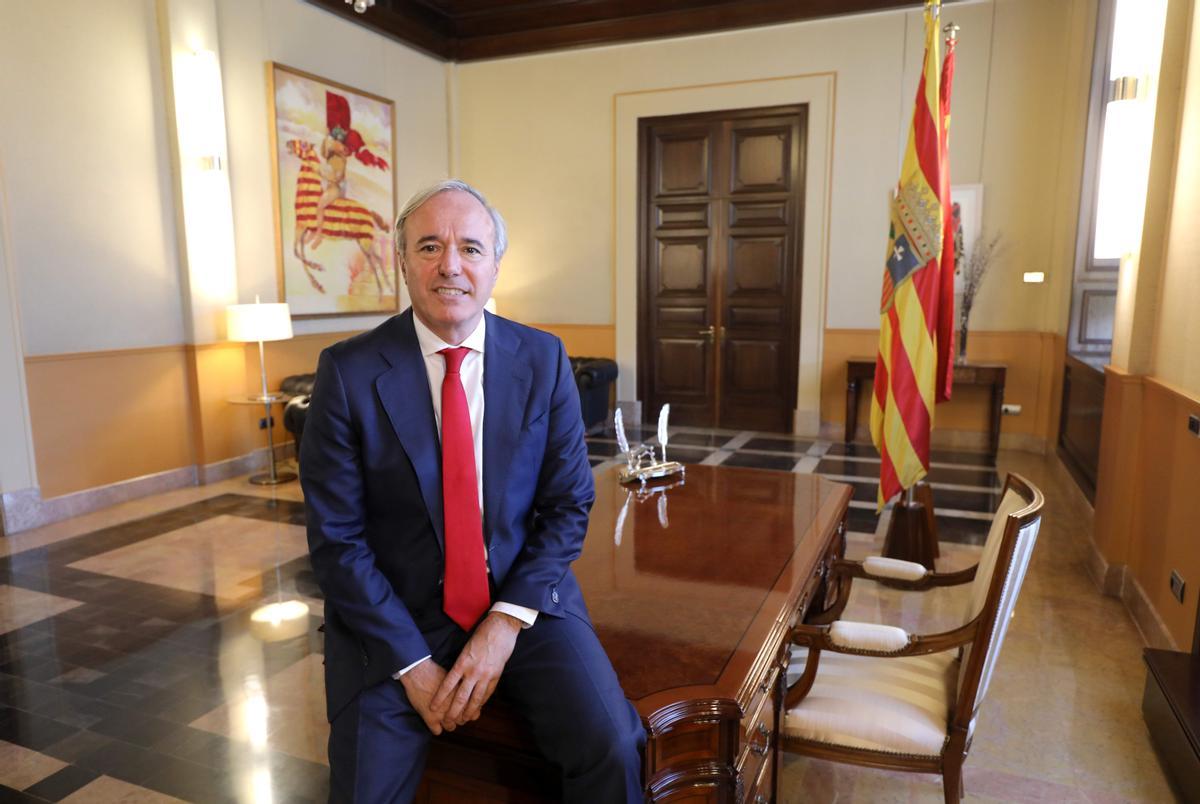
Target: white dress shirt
{"type": "Point", "coordinates": [471, 374]}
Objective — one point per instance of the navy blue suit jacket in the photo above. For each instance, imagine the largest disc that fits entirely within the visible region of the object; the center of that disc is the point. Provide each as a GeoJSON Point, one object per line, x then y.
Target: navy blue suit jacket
{"type": "Point", "coordinates": [370, 466]}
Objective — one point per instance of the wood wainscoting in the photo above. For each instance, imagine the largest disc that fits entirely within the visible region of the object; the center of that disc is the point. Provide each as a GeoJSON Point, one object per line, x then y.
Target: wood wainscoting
{"type": "Point", "coordinates": [1147, 509]}
{"type": "Point", "coordinates": [1034, 372]}
{"type": "Point", "coordinates": [104, 417]}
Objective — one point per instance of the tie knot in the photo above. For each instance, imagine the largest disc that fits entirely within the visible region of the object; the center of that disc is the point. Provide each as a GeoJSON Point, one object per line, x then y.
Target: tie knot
{"type": "Point", "coordinates": [454, 358]}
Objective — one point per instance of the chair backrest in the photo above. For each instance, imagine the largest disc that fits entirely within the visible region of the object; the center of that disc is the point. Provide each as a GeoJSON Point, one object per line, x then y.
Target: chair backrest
{"type": "Point", "coordinates": [998, 580]}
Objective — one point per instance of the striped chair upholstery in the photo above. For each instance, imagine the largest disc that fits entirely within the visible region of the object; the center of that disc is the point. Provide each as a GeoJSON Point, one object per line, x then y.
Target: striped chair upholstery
{"type": "Point", "coordinates": [900, 706]}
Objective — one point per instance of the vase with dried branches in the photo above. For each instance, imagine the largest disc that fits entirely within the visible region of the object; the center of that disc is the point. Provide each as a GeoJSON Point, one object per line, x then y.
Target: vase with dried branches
{"type": "Point", "coordinates": [972, 270]}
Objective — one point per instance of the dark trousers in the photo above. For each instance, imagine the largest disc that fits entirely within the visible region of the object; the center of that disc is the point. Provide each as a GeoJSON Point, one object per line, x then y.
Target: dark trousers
{"type": "Point", "coordinates": [558, 677]}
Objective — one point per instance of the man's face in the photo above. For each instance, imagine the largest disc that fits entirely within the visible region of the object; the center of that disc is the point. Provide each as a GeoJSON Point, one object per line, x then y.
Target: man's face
{"type": "Point", "coordinates": [449, 263]}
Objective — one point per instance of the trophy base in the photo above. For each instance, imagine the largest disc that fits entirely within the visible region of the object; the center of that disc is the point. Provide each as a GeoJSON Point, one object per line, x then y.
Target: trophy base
{"type": "Point", "coordinates": [652, 472]}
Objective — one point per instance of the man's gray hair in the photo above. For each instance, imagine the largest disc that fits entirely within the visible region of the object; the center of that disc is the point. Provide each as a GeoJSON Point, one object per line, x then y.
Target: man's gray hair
{"type": "Point", "coordinates": [421, 196]}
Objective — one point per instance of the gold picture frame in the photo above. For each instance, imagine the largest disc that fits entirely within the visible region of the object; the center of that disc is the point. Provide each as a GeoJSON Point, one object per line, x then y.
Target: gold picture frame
{"type": "Point", "coordinates": [333, 156]}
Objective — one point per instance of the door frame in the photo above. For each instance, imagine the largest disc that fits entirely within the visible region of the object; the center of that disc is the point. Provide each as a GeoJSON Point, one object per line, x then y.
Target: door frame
{"type": "Point", "coordinates": [816, 90]}
{"type": "Point", "coordinates": [793, 337]}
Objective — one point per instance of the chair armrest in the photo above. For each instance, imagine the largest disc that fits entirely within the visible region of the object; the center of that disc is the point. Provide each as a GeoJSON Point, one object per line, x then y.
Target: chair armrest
{"type": "Point", "coordinates": [893, 568]}
{"type": "Point", "coordinates": [900, 574]}
{"type": "Point", "coordinates": [868, 639]}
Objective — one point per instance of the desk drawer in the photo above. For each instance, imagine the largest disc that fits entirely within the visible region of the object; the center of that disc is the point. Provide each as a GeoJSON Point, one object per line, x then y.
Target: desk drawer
{"type": "Point", "coordinates": [761, 791]}
{"type": "Point", "coordinates": [758, 736]}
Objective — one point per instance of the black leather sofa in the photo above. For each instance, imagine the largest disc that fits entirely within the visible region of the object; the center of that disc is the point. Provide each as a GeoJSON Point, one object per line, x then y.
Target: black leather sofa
{"type": "Point", "coordinates": [594, 376]}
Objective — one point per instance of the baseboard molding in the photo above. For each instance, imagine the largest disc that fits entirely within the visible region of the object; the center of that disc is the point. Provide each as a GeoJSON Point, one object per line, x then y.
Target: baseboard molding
{"type": "Point", "coordinates": [1154, 630]}
{"type": "Point", "coordinates": [806, 423]}
{"type": "Point", "coordinates": [25, 509]}
{"type": "Point", "coordinates": [1115, 580]}
{"type": "Point", "coordinates": [1110, 578]}
{"type": "Point", "coordinates": [243, 464]}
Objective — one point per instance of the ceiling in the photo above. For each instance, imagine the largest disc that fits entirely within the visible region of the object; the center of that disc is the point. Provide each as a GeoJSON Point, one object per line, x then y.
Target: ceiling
{"type": "Point", "coordinates": [466, 30]}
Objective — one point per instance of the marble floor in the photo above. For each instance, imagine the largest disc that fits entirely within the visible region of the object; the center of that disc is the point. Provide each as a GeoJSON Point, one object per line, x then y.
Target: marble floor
{"type": "Point", "coordinates": [131, 668]}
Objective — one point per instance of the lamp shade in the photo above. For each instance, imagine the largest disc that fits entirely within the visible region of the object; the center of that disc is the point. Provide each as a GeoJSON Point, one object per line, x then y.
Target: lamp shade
{"type": "Point", "coordinates": [259, 322]}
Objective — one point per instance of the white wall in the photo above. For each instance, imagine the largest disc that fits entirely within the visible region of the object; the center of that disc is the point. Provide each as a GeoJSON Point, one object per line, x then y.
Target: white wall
{"type": "Point", "coordinates": [85, 141]}
{"type": "Point", "coordinates": [1177, 340]}
{"type": "Point", "coordinates": [537, 133]}
{"type": "Point", "coordinates": [299, 35]}
{"type": "Point", "coordinates": [83, 136]}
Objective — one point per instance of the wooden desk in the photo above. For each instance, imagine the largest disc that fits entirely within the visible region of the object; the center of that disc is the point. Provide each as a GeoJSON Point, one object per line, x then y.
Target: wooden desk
{"type": "Point", "coordinates": [694, 616]}
{"type": "Point", "coordinates": [859, 369]}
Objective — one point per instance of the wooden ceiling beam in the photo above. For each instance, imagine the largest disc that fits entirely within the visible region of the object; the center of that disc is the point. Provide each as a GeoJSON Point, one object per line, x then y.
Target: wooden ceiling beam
{"type": "Point", "coordinates": [466, 30]}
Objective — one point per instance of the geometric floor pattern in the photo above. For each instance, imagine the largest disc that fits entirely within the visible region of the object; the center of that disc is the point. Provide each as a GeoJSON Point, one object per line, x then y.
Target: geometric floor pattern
{"type": "Point", "coordinates": [130, 670]}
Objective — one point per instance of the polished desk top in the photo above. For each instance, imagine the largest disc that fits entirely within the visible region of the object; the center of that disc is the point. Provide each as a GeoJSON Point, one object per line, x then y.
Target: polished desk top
{"type": "Point", "coordinates": [690, 593]}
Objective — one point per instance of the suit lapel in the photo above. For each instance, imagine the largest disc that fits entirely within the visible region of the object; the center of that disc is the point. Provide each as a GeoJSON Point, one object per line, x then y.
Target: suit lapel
{"type": "Point", "coordinates": [506, 384]}
{"type": "Point", "coordinates": [404, 393]}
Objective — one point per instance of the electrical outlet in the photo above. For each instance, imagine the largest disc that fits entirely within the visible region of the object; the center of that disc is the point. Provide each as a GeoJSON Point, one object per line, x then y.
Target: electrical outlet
{"type": "Point", "coordinates": [1194, 425]}
{"type": "Point", "coordinates": [1177, 585]}
{"type": "Point", "coordinates": [1010, 410]}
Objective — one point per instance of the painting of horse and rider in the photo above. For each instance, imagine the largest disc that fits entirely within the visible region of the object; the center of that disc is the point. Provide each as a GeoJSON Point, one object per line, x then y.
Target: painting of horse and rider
{"type": "Point", "coordinates": [334, 151]}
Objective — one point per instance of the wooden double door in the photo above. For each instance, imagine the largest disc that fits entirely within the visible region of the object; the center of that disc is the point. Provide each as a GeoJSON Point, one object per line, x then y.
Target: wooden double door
{"type": "Point", "coordinates": [721, 204]}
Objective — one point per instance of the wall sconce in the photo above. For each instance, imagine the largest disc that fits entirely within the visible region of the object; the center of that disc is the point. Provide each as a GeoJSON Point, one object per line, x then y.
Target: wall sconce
{"type": "Point", "coordinates": [1127, 87]}
{"type": "Point", "coordinates": [1136, 53]}
{"type": "Point", "coordinates": [200, 110]}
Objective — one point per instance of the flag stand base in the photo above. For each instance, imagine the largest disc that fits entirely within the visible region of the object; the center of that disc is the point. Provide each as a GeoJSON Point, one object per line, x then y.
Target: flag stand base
{"type": "Point", "coordinates": [912, 533]}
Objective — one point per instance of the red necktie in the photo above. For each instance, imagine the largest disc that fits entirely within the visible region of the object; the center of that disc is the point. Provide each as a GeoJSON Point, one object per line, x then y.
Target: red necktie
{"type": "Point", "coordinates": [465, 594]}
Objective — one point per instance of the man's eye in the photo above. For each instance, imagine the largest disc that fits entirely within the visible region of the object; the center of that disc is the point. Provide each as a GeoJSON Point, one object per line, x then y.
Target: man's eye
{"type": "Point", "coordinates": [428, 248]}
{"type": "Point", "coordinates": [474, 250]}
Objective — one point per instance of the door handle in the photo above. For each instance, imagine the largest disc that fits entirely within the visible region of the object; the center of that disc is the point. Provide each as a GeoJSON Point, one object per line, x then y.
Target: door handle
{"type": "Point", "coordinates": [710, 333]}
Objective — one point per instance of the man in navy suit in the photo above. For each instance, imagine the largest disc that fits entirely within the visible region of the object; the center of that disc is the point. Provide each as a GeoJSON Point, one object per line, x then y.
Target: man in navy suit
{"type": "Point", "coordinates": [447, 488]}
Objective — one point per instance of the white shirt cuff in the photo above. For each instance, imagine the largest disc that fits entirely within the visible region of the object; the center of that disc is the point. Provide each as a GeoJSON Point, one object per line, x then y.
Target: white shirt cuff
{"type": "Point", "coordinates": [526, 615]}
{"type": "Point", "coordinates": [398, 673]}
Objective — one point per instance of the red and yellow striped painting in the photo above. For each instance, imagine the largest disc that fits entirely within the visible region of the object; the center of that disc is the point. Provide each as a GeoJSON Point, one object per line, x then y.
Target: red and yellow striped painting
{"type": "Point", "coordinates": [334, 151]}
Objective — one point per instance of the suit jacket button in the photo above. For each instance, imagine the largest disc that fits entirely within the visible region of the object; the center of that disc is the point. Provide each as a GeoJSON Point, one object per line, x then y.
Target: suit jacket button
{"type": "Point", "coordinates": [554, 595]}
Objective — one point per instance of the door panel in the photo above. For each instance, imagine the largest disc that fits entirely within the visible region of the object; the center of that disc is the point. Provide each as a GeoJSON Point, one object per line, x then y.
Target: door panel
{"type": "Point", "coordinates": [684, 161]}
{"type": "Point", "coordinates": [761, 158]}
{"type": "Point", "coordinates": [758, 213]}
{"type": "Point", "coordinates": [682, 266]}
{"type": "Point", "coordinates": [683, 216]}
{"type": "Point", "coordinates": [755, 266]}
{"type": "Point", "coordinates": [719, 294]}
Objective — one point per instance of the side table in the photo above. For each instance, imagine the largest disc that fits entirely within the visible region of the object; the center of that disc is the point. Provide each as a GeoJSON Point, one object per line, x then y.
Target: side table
{"type": "Point", "coordinates": [859, 369]}
{"type": "Point", "coordinates": [274, 477]}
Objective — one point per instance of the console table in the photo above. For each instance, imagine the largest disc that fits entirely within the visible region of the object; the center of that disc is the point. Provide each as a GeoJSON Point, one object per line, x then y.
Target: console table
{"type": "Point", "coordinates": [692, 599]}
{"type": "Point", "coordinates": [859, 369]}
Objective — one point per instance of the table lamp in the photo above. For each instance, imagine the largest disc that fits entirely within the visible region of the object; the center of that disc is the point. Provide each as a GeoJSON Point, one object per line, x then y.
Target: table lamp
{"type": "Point", "coordinates": [262, 322]}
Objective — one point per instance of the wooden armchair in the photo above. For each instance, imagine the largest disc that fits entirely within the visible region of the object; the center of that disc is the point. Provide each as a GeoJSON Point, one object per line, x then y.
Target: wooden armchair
{"type": "Point", "coordinates": [878, 696]}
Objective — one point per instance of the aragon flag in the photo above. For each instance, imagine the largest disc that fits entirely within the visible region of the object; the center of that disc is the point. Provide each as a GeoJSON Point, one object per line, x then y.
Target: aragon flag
{"type": "Point", "coordinates": [906, 368]}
